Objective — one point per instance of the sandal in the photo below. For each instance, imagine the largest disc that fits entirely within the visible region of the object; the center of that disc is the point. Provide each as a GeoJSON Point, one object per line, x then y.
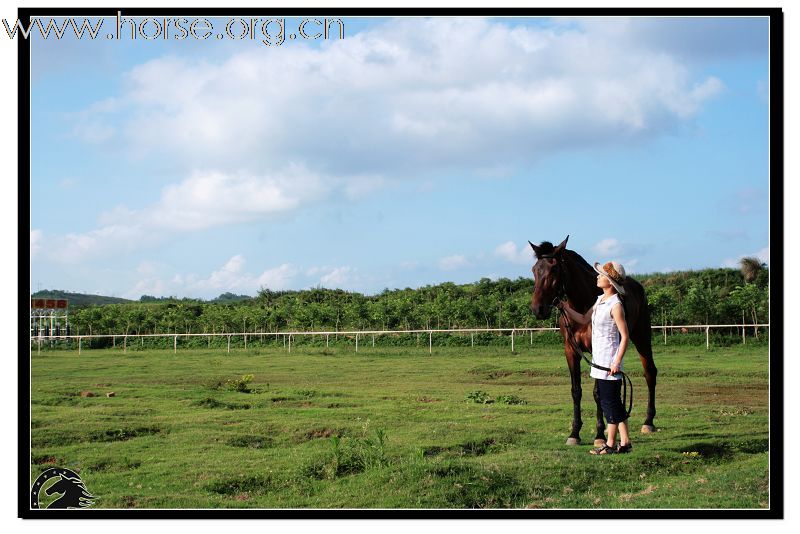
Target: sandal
{"type": "Point", "coordinates": [622, 449]}
{"type": "Point", "coordinates": [605, 449]}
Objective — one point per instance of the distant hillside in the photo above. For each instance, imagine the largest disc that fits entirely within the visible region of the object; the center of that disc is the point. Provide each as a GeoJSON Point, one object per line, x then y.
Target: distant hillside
{"type": "Point", "coordinates": [78, 300]}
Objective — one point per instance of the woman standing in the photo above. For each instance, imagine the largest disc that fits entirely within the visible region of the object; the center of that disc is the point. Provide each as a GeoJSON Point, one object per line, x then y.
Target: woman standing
{"type": "Point", "coordinates": [609, 342]}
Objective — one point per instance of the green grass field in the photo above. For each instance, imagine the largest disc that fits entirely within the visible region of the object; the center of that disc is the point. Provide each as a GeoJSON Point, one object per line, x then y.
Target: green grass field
{"type": "Point", "coordinates": [394, 428]}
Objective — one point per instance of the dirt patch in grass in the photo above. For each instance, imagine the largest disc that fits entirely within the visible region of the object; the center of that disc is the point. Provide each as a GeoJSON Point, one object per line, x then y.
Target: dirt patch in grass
{"type": "Point", "coordinates": [128, 501]}
{"type": "Point", "coordinates": [627, 497]}
{"type": "Point", "coordinates": [122, 434]}
{"type": "Point", "coordinates": [468, 448]}
{"type": "Point", "coordinates": [251, 442]}
{"type": "Point", "coordinates": [498, 374]}
{"type": "Point", "coordinates": [45, 459]}
{"type": "Point", "coordinates": [252, 485]}
{"type": "Point", "coordinates": [58, 438]}
{"type": "Point", "coordinates": [317, 433]}
{"type": "Point", "coordinates": [111, 464]}
{"type": "Point", "coordinates": [534, 372]}
{"type": "Point", "coordinates": [212, 403]}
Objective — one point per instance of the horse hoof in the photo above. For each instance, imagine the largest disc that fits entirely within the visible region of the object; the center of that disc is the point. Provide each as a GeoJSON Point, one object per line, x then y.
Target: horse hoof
{"type": "Point", "coordinates": [599, 442]}
{"type": "Point", "coordinates": [648, 429]}
{"type": "Point", "coordinates": [573, 441]}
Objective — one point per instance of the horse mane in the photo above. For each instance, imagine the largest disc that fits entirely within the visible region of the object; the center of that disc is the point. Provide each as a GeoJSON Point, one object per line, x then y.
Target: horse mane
{"type": "Point", "coordinates": [579, 262]}
{"type": "Point", "coordinates": [581, 286]}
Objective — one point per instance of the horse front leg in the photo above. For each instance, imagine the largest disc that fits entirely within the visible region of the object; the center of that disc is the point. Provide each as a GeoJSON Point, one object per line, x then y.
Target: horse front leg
{"type": "Point", "coordinates": [600, 433]}
{"type": "Point", "coordinates": [574, 363]}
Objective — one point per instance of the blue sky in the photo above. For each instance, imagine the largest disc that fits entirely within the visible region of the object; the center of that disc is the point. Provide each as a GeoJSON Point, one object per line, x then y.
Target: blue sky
{"type": "Point", "coordinates": [414, 151]}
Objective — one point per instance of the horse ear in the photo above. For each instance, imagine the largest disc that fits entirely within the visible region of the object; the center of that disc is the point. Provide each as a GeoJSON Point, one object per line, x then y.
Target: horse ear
{"type": "Point", "coordinates": [534, 247]}
{"type": "Point", "coordinates": [560, 248]}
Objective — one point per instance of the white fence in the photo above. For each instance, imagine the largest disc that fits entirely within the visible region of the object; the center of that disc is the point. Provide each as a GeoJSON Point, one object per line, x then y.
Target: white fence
{"type": "Point", "coordinates": [360, 334]}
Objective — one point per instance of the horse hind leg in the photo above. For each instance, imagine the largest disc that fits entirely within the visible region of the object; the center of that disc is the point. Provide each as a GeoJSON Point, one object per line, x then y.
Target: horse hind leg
{"type": "Point", "coordinates": [645, 348]}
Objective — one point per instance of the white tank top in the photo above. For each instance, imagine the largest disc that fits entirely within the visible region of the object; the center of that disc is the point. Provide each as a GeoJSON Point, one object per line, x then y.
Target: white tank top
{"type": "Point", "coordinates": [605, 337]}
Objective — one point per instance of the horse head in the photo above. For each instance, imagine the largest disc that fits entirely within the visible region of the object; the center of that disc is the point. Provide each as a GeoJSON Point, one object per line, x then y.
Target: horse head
{"type": "Point", "coordinates": [74, 490]}
{"type": "Point", "coordinates": [548, 276]}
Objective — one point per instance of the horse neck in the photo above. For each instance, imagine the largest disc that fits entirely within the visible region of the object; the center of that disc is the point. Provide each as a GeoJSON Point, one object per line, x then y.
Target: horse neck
{"type": "Point", "coordinates": [581, 288]}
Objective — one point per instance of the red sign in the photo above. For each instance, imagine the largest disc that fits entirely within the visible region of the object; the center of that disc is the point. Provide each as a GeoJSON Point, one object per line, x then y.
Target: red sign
{"type": "Point", "coordinates": [61, 304]}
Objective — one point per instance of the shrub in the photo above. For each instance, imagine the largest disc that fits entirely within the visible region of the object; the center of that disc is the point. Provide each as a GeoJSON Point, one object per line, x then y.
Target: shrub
{"type": "Point", "coordinates": [241, 385]}
{"type": "Point", "coordinates": [480, 397]}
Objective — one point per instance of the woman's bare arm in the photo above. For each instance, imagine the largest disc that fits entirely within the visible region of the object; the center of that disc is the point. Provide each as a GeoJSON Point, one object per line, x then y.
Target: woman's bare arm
{"type": "Point", "coordinates": [581, 318]}
{"type": "Point", "coordinates": [618, 313]}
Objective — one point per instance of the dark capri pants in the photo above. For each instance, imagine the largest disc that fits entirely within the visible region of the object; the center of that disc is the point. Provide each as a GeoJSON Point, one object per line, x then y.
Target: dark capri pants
{"type": "Point", "coordinates": [611, 401]}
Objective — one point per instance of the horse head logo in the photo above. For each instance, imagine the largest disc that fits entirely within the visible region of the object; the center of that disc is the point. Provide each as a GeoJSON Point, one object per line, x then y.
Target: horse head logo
{"type": "Point", "coordinates": [75, 494]}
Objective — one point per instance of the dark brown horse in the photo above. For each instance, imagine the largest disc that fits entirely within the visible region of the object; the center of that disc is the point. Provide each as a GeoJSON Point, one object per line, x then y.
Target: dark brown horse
{"type": "Point", "coordinates": [562, 273]}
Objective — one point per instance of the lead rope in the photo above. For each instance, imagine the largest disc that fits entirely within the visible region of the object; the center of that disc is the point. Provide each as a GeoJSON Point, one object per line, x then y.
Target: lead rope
{"type": "Point", "coordinates": [626, 382]}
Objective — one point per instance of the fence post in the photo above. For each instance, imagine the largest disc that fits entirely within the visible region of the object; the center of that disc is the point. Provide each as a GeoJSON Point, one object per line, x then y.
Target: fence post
{"type": "Point", "coordinates": [125, 344]}
{"type": "Point", "coordinates": [512, 340]}
{"type": "Point", "coordinates": [531, 338]}
{"type": "Point", "coordinates": [665, 334]}
{"type": "Point", "coordinates": [356, 341]}
{"type": "Point", "coordinates": [472, 339]}
{"type": "Point", "coordinates": [430, 341]}
{"type": "Point", "coordinates": [290, 343]}
{"type": "Point", "coordinates": [175, 344]}
{"type": "Point", "coordinates": [373, 341]}
{"type": "Point", "coordinates": [80, 342]}
{"type": "Point", "coordinates": [327, 338]}
{"type": "Point", "coordinates": [229, 343]}
{"type": "Point", "coordinates": [245, 342]}
{"type": "Point", "coordinates": [707, 342]}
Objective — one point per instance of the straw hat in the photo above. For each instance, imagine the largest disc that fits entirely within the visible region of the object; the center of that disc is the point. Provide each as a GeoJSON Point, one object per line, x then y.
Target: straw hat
{"type": "Point", "coordinates": [615, 273]}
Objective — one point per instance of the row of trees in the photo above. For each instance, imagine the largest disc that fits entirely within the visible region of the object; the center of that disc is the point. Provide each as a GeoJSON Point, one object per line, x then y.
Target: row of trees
{"type": "Point", "coordinates": [694, 297]}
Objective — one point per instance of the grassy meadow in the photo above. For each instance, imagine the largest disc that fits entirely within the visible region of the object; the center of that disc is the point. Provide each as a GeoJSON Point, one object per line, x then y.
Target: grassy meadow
{"type": "Point", "coordinates": [394, 427]}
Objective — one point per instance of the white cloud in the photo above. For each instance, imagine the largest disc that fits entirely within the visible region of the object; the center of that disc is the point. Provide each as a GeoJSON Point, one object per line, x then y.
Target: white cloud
{"type": "Point", "coordinates": [338, 277]}
{"type": "Point", "coordinates": [409, 94]}
{"type": "Point", "coordinates": [607, 247]}
{"type": "Point", "coordinates": [204, 200]}
{"type": "Point", "coordinates": [36, 238]}
{"type": "Point", "coordinates": [611, 248]}
{"type": "Point", "coordinates": [213, 198]}
{"type": "Point", "coordinates": [452, 263]}
{"type": "Point", "coordinates": [509, 252]}
{"type": "Point", "coordinates": [278, 278]}
{"type": "Point", "coordinates": [230, 277]}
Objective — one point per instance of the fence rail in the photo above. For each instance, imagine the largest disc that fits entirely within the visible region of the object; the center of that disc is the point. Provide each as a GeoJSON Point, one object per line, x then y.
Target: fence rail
{"type": "Point", "coordinates": [288, 336]}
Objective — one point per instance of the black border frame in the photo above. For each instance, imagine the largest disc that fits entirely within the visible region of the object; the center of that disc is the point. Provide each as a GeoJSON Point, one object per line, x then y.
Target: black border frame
{"type": "Point", "coordinates": [776, 230]}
